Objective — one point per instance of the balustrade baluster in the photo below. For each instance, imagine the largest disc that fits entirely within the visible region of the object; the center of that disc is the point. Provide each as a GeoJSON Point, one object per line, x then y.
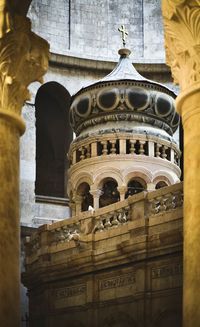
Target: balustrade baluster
{"type": "Point", "coordinates": [113, 147]}
{"type": "Point", "coordinates": [82, 150]}
{"type": "Point", "coordinates": [88, 153]}
{"type": "Point", "coordinates": [141, 149]}
{"type": "Point", "coordinates": [158, 150]}
{"type": "Point", "coordinates": [104, 150]}
{"type": "Point", "coordinates": [164, 154]}
{"type": "Point", "coordinates": [132, 147]}
{"type": "Point", "coordinates": [115, 221]}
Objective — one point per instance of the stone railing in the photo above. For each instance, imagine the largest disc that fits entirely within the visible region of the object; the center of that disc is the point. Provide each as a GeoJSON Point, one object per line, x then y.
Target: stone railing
{"type": "Point", "coordinates": [112, 219]}
{"type": "Point", "coordinates": [165, 202]}
{"type": "Point", "coordinates": [70, 232]}
{"type": "Point", "coordinates": [116, 144]}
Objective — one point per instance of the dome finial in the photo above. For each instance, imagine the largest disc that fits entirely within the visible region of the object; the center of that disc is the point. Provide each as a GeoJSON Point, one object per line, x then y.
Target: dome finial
{"type": "Point", "coordinates": [124, 32]}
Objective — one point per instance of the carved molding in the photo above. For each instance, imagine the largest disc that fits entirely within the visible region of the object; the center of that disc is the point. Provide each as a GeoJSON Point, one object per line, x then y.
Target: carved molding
{"type": "Point", "coordinates": [23, 60]}
{"type": "Point", "coordinates": [182, 40]}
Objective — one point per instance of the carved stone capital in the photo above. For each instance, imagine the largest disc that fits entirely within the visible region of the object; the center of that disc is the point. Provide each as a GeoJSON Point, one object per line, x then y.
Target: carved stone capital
{"type": "Point", "coordinates": [122, 189]}
{"type": "Point", "coordinates": [23, 60]}
{"type": "Point", "coordinates": [96, 193]}
{"type": "Point", "coordinates": [182, 40]}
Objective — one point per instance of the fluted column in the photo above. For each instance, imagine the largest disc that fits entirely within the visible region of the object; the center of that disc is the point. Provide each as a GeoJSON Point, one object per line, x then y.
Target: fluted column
{"type": "Point", "coordinates": [23, 59]}
{"type": "Point", "coordinates": [182, 40]}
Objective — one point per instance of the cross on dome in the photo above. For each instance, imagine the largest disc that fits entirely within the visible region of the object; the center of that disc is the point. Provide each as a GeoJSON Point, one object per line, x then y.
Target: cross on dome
{"type": "Point", "coordinates": [124, 32]}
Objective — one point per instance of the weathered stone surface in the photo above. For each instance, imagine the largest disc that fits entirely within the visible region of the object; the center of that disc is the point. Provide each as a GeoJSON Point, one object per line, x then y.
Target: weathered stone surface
{"type": "Point", "coordinates": [133, 268]}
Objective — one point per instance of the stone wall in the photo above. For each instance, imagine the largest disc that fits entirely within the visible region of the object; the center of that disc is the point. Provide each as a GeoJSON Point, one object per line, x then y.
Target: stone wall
{"type": "Point", "coordinates": [90, 28]}
{"type": "Point", "coordinates": [120, 265]}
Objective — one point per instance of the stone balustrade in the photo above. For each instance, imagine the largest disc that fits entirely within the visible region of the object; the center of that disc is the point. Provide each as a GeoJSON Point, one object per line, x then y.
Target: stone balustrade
{"type": "Point", "coordinates": [166, 202]}
{"type": "Point", "coordinates": [112, 219]}
{"type": "Point", "coordinates": [120, 144]}
{"type": "Point", "coordinates": [70, 232]}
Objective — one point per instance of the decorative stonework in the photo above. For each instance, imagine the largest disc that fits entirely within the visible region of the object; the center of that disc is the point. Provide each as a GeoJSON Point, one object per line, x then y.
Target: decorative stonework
{"type": "Point", "coordinates": [166, 271]}
{"type": "Point", "coordinates": [70, 291]}
{"type": "Point", "coordinates": [117, 281]}
{"type": "Point", "coordinates": [23, 59]}
{"type": "Point", "coordinates": [182, 40]}
{"type": "Point", "coordinates": [124, 101]}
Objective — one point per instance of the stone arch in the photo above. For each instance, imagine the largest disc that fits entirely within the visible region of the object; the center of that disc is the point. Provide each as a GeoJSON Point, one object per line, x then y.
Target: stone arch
{"type": "Point", "coordinates": [162, 175]}
{"type": "Point", "coordinates": [53, 137]}
{"type": "Point", "coordinates": [135, 185]}
{"type": "Point", "coordinates": [83, 196]}
{"type": "Point", "coordinates": [108, 172]}
{"type": "Point", "coordinates": [138, 172]}
{"type": "Point", "coordinates": [109, 192]}
{"type": "Point", "coordinates": [80, 192]}
{"type": "Point", "coordinates": [83, 177]}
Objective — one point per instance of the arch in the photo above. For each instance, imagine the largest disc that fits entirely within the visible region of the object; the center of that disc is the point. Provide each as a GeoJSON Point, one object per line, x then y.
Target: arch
{"type": "Point", "coordinates": [139, 172]}
{"type": "Point", "coordinates": [135, 185]}
{"type": "Point", "coordinates": [53, 137]}
{"type": "Point", "coordinates": [162, 175]}
{"type": "Point", "coordinates": [110, 193]}
{"type": "Point", "coordinates": [83, 194]}
{"type": "Point", "coordinates": [83, 177]}
{"type": "Point", "coordinates": [108, 172]}
{"type": "Point", "coordinates": [161, 184]}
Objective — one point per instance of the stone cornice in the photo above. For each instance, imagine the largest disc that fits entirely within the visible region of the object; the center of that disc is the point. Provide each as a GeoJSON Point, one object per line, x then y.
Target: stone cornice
{"type": "Point", "coordinates": [103, 66]}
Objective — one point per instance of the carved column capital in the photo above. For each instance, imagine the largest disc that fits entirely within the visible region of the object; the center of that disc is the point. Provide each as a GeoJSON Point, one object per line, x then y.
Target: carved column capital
{"type": "Point", "coordinates": [96, 193]}
{"type": "Point", "coordinates": [23, 60]}
{"type": "Point", "coordinates": [182, 40]}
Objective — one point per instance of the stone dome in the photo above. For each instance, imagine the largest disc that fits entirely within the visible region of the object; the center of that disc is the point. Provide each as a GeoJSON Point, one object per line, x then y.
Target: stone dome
{"type": "Point", "coordinates": [124, 95]}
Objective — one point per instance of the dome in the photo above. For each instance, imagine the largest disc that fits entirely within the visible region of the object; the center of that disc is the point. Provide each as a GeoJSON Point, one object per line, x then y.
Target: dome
{"type": "Point", "coordinates": [124, 95]}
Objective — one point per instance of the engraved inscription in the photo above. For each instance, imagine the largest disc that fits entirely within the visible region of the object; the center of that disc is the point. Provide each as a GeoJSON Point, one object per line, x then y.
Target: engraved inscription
{"type": "Point", "coordinates": [166, 271]}
{"type": "Point", "coordinates": [118, 281]}
{"type": "Point", "coordinates": [70, 291]}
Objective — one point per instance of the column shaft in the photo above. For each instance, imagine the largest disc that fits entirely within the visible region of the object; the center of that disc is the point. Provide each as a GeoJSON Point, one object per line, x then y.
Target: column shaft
{"type": "Point", "coordinates": [9, 225]}
{"type": "Point", "coordinates": [24, 59]}
{"type": "Point", "coordinates": [189, 106]}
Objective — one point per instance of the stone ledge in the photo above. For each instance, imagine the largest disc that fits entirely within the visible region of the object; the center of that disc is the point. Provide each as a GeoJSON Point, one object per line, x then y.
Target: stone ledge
{"type": "Point", "coordinates": [51, 200]}
{"type": "Point", "coordinates": [58, 60]}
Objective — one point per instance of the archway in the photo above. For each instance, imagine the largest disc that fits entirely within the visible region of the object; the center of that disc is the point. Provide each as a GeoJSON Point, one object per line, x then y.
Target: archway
{"type": "Point", "coordinates": [53, 137]}
{"type": "Point", "coordinates": [134, 186]}
{"type": "Point", "coordinates": [161, 184]}
{"type": "Point", "coordinates": [84, 196]}
{"type": "Point", "coordinates": [110, 194]}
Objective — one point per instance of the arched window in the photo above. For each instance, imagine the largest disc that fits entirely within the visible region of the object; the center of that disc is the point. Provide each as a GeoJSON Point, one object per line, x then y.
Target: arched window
{"type": "Point", "coordinates": [110, 194]}
{"type": "Point", "coordinates": [53, 137]}
{"type": "Point", "coordinates": [86, 198]}
{"type": "Point", "coordinates": [135, 186]}
{"type": "Point", "coordinates": [161, 184]}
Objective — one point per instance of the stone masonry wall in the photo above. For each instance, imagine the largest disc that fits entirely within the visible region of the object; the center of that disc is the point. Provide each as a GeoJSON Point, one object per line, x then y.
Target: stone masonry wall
{"type": "Point", "coordinates": [89, 29]}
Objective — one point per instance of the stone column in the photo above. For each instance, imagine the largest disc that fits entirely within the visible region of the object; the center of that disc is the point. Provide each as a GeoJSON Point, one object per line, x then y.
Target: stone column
{"type": "Point", "coordinates": [182, 40]}
{"type": "Point", "coordinates": [122, 191]}
{"type": "Point", "coordinates": [96, 195]}
{"type": "Point", "coordinates": [23, 59]}
{"type": "Point", "coordinates": [78, 199]}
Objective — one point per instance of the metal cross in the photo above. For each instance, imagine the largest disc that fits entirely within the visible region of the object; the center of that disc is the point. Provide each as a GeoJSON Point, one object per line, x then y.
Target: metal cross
{"type": "Point", "coordinates": [124, 32]}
